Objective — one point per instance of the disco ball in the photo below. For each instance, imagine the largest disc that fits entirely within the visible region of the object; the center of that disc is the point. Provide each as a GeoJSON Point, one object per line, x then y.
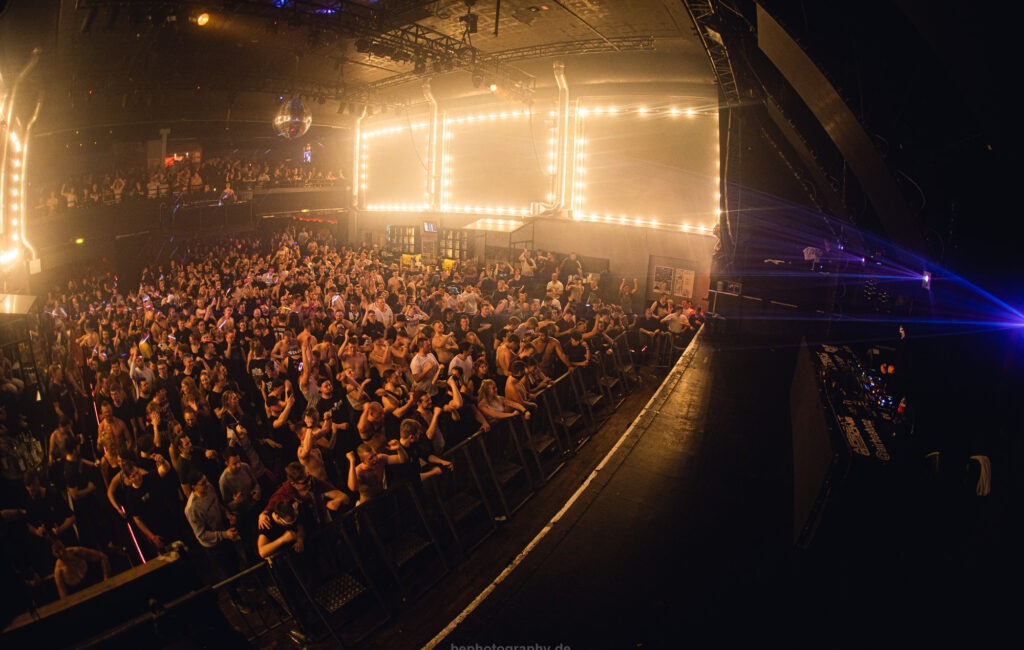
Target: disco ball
{"type": "Point", "coordinates": [292, 120]}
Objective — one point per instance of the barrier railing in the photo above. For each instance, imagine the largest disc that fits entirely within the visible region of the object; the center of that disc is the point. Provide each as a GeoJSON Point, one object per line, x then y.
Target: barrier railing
{"type": "Point", "coordinates": [357, 572]}
{"type": "Point", "coordinates": [460, 495]}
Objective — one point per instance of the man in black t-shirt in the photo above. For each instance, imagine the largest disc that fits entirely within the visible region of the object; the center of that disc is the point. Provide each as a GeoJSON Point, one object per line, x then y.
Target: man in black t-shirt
{"type": "Point", "coordinates": [151, 501]}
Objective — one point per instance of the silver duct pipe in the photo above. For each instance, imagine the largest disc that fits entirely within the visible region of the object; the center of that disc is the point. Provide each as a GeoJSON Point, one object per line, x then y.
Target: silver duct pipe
{"type": "Point", "coordinates": [8, 117]}
{"type": "Point", "coordinates": [357, 175]}
{"type": "Point", "coordinates": [24, 173]}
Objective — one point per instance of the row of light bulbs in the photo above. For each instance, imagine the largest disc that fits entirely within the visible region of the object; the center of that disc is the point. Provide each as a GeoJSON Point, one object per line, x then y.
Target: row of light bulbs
{"type": "Point", "coordinates": [578, 212]}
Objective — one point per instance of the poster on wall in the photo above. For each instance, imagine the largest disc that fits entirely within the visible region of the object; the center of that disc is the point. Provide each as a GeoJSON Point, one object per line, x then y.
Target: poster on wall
{"type": "Point", "coordinates": [663, 279]}
{"type": "Point", "coordinates": [682, 283]}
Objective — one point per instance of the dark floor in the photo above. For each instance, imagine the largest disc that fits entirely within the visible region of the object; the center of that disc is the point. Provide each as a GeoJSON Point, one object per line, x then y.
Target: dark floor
{"type": "Point", "coordinates": [687, 523]}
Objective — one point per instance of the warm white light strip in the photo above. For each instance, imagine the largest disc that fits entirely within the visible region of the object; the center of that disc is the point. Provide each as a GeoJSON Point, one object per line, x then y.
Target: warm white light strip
{"type": "Point", "coordinates": [396, 129]}
{"type": "Point", "coordinates": [640, 222]}
{"type": "Point", "coordinates": [672, 111]}
{"type": "Point", "coordinates": [484, 117]}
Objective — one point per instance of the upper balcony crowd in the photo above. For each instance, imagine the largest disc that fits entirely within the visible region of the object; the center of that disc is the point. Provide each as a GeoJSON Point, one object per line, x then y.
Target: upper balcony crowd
{"type": "Point", "coordinates": [212, 179]}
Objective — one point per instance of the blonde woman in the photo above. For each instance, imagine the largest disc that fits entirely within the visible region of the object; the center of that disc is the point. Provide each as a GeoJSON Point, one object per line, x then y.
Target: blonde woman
{"type": "Point", "coordinates": [494, 407]}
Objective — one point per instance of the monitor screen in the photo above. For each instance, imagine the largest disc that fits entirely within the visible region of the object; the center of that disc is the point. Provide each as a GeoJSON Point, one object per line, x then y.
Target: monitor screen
{"type": "Point", "coordinates": [429, 226]}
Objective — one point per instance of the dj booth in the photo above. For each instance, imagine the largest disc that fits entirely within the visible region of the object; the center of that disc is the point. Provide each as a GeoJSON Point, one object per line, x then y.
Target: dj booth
{"type": "Point", "coordinates": [849, 432]}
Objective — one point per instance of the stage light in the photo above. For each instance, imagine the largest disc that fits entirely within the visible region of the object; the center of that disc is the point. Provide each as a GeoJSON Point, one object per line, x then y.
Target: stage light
{"type": "Point", "coordinates": [203, 19]}
{"type": "Point", "coordinates": [9, 256]}
{"type": "Point", "coordinates": [926, 280]}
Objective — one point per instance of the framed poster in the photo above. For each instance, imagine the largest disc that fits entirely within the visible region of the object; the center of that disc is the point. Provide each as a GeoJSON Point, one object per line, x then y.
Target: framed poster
{"type": "Point", "coordinates": [663, 279]}
{"type": "Point", "coordinates": [682, 283]}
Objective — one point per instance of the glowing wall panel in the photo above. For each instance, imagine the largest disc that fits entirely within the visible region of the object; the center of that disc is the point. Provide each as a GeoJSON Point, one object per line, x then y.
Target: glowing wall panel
{"type": "Point", "coordinates": [497, 162]}
{"type": "Point", "coordinates": [394, 166]}
{"type": "Point", "coordinates": [650, 167]}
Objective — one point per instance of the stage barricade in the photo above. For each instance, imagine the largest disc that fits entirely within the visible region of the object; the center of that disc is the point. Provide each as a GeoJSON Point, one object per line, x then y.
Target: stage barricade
{"type": "Point", "coordinates": [337, 587]}
{"type": "Point", "coordinates": [460, 494]}
{"type": "Point", "coordinates": [625, 359]}
{"type": "Point", "coordinates": [503, 456]}
{"type": "Point", "coordinates": [609, 379]}
{"type": "Point", "coordinates": [589, 394]}
{"type": "Point", "coordinates": [402, 538]}
{"type": "Point", "coordinates": [565, 413]}
{"type": "Point", "coordinates": [542, 446]}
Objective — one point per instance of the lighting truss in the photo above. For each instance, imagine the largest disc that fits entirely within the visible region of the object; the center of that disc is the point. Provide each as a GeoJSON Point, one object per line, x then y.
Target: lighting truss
{"type": "Point", "coordinates": [392, 25]}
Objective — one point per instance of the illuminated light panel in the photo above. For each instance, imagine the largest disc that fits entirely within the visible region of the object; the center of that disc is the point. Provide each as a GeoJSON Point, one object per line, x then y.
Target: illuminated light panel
{"type": "Point", "coordinates": [364, 145]}
{"type": "Point", "coordinates": [446, 170]}
{"type": "Point", "coordinates": [579, 184]}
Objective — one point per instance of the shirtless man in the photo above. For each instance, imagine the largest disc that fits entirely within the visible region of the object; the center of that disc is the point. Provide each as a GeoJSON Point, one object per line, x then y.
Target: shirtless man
{"type": "Point", "coordinates": [75, 568]}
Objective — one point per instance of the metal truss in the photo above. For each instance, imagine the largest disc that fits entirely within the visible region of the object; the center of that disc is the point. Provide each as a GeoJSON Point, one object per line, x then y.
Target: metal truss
{"type": "Point", "coordinates": [709, 29]}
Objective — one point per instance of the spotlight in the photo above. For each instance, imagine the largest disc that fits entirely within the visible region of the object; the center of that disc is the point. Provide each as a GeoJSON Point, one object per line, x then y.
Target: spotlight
{"type": "Point", "coordinates": [926, 280]}
{"type": "Point", "coordinates": [203, 19]}
{"type": "Point", "coordinates": [493, 87]}
{"type": "Point", "coordinates": [478, 79]}
{"type": "Point", "coordinates": [420, 66]}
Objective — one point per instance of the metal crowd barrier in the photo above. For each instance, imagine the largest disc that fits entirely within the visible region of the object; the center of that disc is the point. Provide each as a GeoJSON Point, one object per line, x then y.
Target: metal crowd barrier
{"type": "Point", "coordinates": [358, 571]}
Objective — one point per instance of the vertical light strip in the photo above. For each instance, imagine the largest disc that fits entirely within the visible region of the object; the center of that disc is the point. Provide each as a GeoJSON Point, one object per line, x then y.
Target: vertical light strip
{"type": "Point", "coordinates": [578, 164]}
{"type": "Point", "coordinates": [12, 169]}
{"type": "Point", "coordinates": [446, 170]}
{"type": "Point", "coordinates": [358, 183]}
{"type": "Point", "coordinates": [20, 180]}
{"type": "Point", "coordinates": [433, 182]}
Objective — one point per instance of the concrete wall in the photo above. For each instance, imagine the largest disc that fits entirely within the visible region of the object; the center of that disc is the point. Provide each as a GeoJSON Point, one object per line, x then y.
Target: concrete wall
{"type": "Point", "coordinates": [631, 251]}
